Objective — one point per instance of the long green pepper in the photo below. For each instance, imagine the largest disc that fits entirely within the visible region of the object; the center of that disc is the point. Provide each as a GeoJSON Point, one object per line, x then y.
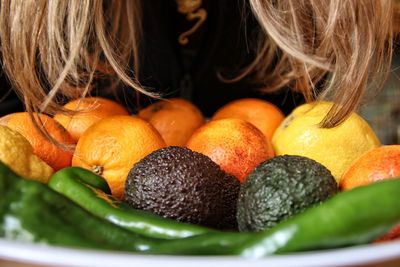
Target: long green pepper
{"type": "Point", "coordinates": [91, 192]}
{"type": "Point", "coordinates": [33, 212]}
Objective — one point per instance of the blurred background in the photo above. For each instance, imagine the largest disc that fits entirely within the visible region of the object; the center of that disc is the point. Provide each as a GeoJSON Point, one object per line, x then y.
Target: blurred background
{"type": "Point", "coordinates": [383, 111]}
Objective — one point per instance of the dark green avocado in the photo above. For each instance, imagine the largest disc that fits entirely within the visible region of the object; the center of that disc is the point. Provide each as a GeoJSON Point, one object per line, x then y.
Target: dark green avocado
{"type": "Point", "coordinates": [281, 187]}
{"type": "Point", "coordinates": [181, 184]}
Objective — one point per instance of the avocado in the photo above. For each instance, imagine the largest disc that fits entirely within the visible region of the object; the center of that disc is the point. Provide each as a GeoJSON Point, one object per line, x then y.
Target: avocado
{"type": "Point", "coordinates": [281, 187]}
{"type": "Point", "coordinates": [184, 185]}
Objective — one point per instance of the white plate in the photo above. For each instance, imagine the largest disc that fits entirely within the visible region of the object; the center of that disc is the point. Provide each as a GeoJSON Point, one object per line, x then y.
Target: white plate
{"type": "Point", "coordinates": [384, 254]}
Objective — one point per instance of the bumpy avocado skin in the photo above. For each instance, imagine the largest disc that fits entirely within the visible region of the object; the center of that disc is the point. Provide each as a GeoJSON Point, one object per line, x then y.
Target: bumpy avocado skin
{"type": "Point", "coordinates": [281, 187]}
{"type": "Point", "coordinates": [181, 184]}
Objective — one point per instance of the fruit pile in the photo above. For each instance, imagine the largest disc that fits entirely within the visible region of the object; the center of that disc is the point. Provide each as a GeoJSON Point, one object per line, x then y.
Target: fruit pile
{"type": "Point", "coordinates": [168, 173]}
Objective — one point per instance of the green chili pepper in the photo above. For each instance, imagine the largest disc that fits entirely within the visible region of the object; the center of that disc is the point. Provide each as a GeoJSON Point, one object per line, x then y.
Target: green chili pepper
{"type": "Point", "coordinates": [353, 217]}
{"type": "Point", "coordinates": [32, 211]}
{"type": "Point", "coordinates": [91, 192]}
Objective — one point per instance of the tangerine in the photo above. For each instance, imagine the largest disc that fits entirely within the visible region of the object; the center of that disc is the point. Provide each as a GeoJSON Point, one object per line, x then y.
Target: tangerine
{"type": "Point", "coordinates": [110, 150]}
{"type": "Point", "coordinates": [175, 119]}
{"type": "Point", "coordinates": [235, 145]}
{"type": "Point", "coordinates": [262, 114]}
{"type": "Point", "coordinates": [89, 110]}
{"type": "Point", "coordinates": [377, 164]}
{"type": "Point", "coordinates": [54, 155]}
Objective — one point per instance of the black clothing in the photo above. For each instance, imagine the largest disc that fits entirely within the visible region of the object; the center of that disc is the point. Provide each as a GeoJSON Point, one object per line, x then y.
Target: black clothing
{"type": "Point", "coordinates": [223, 44]}
{"type": "Point", "coordinates": [9, 102]}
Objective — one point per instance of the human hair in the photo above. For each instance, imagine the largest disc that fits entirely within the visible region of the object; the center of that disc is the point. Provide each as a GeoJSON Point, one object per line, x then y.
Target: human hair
{"type": "Point", "coordinates": [58, 48]}
{"type": "Point", "coordinates": [334, 49]}
{"type": "Point", "coordinates": [326, 49]}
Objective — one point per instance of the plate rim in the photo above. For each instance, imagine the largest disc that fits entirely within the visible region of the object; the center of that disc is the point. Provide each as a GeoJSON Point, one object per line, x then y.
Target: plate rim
{"type": "Point", "coordinates": [51, 255]}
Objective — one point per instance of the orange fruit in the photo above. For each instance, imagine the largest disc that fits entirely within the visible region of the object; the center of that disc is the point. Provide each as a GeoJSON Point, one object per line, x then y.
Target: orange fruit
{"type": "Point", "coordinates": [54, 155]}
{"type": "Point", "coordinates": [175, 119]}
{"type": "Point", "coordinates": [235, 145]}
{"type": "Point", "coordinates": [377, 164]}
{"type": "Point", "coordinates": [91, 110]}
{"type": "Point", "coordinates": [113, 145]}
{"type": "Point", "coordinates": [262, 114]}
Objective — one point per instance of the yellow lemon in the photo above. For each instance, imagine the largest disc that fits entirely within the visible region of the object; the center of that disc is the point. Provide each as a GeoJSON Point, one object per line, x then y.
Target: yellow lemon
{"type": "Point", "coordinates": [336, 148]}
{"type": "Point", "coordinates": [17, 153]}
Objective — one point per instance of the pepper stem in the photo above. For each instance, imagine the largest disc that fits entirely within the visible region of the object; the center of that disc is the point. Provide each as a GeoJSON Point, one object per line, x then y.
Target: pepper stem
{"type": "Point", "coordinates": [98, 169]}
